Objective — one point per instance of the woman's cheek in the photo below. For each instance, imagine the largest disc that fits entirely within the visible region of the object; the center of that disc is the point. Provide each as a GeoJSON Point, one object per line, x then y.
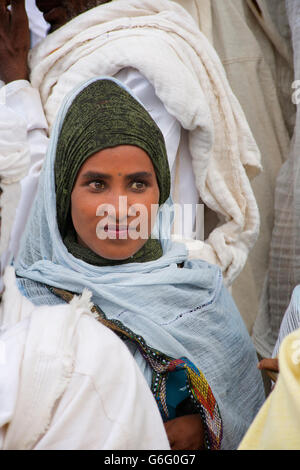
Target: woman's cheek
{"type": "Point", "coordinates": [83, 205]}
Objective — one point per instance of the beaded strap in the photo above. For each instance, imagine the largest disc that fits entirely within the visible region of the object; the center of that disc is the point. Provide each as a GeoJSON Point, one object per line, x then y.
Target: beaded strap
{"type": "Point", "coordinates": [161, 364]}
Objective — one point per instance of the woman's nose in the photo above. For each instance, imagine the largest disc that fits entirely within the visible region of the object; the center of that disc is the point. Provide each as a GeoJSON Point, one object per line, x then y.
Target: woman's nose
{"type": "Point", "coordinates": [121, 207]}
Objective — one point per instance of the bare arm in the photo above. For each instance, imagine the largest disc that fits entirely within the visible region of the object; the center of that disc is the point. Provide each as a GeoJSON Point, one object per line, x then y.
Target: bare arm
{"type": "Point", "coordinates": [269, 364]}
{"type": "Point", "coordinates": [14, 41]}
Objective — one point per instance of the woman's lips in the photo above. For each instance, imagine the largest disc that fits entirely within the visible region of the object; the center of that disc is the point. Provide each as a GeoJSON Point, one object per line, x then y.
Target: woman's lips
{"type": "Point", "coordinates": [116, 231]}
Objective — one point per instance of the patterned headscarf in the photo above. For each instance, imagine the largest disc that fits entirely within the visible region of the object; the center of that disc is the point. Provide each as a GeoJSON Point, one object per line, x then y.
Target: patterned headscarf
{"type": "Point", "coordinates": [104, 115]}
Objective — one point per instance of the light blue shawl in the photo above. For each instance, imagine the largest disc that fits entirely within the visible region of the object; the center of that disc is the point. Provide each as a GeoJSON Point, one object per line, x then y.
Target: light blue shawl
{"type": "Point", "coordinates": [183, 312]}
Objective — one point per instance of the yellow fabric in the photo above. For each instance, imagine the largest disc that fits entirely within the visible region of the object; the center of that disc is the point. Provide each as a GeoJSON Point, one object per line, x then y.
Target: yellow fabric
{"type": "Point", "coordinates": [277, 425]}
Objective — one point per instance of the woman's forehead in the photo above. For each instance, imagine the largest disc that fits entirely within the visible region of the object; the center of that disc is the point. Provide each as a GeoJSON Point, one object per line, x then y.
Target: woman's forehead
{"type": "Point", "coordinates": [123, 159]}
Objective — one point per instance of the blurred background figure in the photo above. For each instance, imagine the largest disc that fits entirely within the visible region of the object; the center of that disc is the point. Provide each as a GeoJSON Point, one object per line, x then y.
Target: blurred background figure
{"type": "Point", "coordinates": [256, 40]}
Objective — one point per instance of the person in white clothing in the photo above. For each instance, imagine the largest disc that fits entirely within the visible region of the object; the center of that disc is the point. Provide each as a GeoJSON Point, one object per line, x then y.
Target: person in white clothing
{"type": "Point", "coordinates": [22, 114]}
{"type": "Point", "coordinates": [68, 383]}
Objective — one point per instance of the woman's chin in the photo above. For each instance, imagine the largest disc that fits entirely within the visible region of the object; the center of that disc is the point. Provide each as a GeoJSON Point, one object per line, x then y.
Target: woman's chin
{"type": "Point", "coordinates": [115, 255]}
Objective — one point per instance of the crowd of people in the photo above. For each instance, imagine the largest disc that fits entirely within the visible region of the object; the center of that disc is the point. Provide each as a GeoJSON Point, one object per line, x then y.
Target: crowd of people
{"type": "Point", "coordinates": [128, 320]}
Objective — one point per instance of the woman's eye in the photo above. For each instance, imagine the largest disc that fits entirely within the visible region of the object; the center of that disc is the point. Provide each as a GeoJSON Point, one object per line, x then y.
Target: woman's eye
{"type": "Point", "coordinates": [97, 185]}
{"type": "Point", "coordinates": [138, 185]}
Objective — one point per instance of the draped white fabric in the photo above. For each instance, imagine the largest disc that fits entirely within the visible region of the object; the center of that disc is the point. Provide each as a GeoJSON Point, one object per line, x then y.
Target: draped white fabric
{"type": "Point", "coordinates": [68, 382]}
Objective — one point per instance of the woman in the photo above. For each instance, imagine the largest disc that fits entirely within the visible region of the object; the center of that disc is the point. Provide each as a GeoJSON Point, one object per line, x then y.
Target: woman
{"type": "Point", "coordinates": [100, 222]}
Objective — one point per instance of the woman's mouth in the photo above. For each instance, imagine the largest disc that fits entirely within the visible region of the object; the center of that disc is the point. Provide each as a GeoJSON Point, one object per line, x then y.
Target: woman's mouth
{"type": "Point", "coordinates": [116, 231]}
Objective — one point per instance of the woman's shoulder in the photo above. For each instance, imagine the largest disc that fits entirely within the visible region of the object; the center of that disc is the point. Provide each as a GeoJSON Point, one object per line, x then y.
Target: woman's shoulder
{"type": "Point", "coordinates": [202, 264]}
{"type": "Point", "coordinates": [37, 293]}
{"type": "Point", "coordinates": [210, 274]}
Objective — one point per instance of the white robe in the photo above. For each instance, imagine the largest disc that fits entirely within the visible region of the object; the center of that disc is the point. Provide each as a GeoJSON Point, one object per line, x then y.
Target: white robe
{"type": "Point", "coordinates": [69, 383]}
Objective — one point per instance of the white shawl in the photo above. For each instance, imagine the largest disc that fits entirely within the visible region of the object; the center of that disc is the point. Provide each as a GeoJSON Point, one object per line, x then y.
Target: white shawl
{"type": "Point", "coordinates": [47, 362]}
{"type": "Point", "coordinates": [54, 394]}
{"type": "Point", "coordinates": [14, 164]}
{"type": "Point", "coordinates": [162, 41]}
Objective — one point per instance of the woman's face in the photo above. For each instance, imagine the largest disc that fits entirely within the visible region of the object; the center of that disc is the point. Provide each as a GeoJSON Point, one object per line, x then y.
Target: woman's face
{"type": "Point", "coordinates": [114, 201]}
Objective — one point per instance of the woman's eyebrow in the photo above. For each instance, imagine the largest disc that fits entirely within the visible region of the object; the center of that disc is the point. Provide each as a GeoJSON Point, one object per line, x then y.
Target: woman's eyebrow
{"type": "Point", "coordinates": [95, 174]}
{"type": "Point", "coordinates": [139, 174]}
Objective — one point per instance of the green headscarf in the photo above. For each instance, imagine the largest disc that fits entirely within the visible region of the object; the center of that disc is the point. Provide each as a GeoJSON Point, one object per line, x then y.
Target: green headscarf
{"type": "Point", "coordinates": [105, 115]}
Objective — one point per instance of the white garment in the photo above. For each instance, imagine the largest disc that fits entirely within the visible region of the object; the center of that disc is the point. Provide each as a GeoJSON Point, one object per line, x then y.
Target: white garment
{"type": "Point", "coordinates": [23, 144]}
{"type": "Point", "coordinates": [68, 382]}
{"type": "Point", "coordinates": [37, 25]}
{"type": "Point", "coordinates": [162, 41]}
{"type": "Point", "coordinates": [17, 111]}
{"type": "Point", "coordinates": [290, 321]}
